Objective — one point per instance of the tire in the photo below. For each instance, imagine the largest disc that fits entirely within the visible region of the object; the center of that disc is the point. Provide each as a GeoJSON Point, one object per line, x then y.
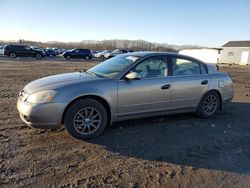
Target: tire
{"type": "Point", "coordinates": [82, 127]}
{"type": "Point", "coordinates": [68, 57]}
{"type": "Point", "coordinates": [209, 105]}
{"type": "Point", "coordinates": [12, 55]}
{"type": "Point", "coordinates": [38, 56]}
{"type": "Point", "coordinates": [87, 57]}
{"type": "Point", "coordinates": [102, 57]}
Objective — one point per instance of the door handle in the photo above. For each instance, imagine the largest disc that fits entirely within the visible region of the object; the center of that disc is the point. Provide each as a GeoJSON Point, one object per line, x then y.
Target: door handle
{"type": "Point", "coordinates": [204, 82]}
{"type": "Point", "coordinates": [167, 86]}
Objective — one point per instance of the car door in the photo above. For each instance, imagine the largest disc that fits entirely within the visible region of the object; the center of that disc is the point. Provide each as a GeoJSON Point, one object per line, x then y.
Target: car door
{"type": "Point", "coordinates": [28, 51]}
{"type": "Point", "coordinates": [75, 54]}
{"type": "Point", "coordinates": [149, 93]}
{"type": "Point", "coordinates": [81, 53]}
{"type": "Point", "coordinates": [189, 82]}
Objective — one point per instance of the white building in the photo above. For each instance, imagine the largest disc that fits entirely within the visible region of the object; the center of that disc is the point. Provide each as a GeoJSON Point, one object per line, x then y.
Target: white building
{"type": "Point", "coordinates": [236, 52]}
{"type": "Point", "coordinates": [207, 55]}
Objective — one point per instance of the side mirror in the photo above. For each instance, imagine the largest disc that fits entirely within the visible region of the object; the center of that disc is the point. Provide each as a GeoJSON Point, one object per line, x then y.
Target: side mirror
{"type": "Point", "coordinates": [132, 76]}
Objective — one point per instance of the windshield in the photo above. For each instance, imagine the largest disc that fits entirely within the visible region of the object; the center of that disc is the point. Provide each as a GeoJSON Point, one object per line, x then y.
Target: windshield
{"type": "Point", "coordinates": [113, 66]}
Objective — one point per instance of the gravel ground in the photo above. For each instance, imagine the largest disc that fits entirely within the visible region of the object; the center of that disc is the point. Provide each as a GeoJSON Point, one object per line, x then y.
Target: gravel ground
{"type": "Point", "coordinates": [171, 151]}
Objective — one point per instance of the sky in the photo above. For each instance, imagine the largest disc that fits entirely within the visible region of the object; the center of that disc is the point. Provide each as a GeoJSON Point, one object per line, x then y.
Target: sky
{"type": "Point", "coordinates": [209, 23]}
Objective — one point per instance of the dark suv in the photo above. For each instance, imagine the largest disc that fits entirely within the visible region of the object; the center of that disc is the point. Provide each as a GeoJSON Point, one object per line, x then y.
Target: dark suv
{"type": "Point", "coordinates": [78, 54]}
{"type": "Point", "coordinates": [16, 50]}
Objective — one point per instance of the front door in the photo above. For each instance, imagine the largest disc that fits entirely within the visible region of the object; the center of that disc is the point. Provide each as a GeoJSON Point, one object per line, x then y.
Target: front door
{"type": "Point", "coordinates": [150, 93]}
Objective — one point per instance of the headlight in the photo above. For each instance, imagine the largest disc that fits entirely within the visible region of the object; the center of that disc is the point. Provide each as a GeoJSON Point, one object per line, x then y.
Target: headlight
{"type": "Point", "coordinates": [41, 97]}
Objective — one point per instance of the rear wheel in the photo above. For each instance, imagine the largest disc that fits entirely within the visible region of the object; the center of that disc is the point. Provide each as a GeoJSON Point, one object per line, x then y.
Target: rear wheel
{"type": "Point", "coordinates": [12, 55]}
{"type": "Point", "coordinates": [209, 105]}
{"type": "Point", "coordinates": [86, 119]}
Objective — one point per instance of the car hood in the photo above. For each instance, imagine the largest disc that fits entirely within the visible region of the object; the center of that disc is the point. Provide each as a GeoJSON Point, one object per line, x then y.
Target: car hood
{"type": "Point", "coordinates": [56, 81]}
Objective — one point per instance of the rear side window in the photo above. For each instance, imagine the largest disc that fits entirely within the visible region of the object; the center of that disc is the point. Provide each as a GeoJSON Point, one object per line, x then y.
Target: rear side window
{"type": "Point", "coordinates": [187, 67]}
{"type": "Point", "coordinates": [18, 47]}
{"type": "Point", "coordinates": [84, 50]}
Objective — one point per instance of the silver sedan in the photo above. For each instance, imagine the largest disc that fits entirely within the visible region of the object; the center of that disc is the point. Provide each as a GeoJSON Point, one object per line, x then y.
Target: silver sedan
{"type": "Point", "coordinates": [133, 85]}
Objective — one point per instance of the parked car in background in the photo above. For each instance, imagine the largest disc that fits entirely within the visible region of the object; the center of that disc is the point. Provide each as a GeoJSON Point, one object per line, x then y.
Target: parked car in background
{"type": "Point", "coordinates": [116, 52]}
{"type": "Point", "coordinates": [1, 50]}
{"type": "Point", "coordinates": [78, 54]}
{"type": "Point", "coordinates": [50, 53]}
{"type": "Point", "coordinates": [57, 51]}
{"type": "Point", "coordinates": [94, 52]}
{"type": "Point", "coordinates": [101, 54]}
{"type": "Point", "coordinates": [134, 85]}
{"type": "Point", "coordinates": [17, 50]}
{"type": "Point", "coordinates": [63, 50]}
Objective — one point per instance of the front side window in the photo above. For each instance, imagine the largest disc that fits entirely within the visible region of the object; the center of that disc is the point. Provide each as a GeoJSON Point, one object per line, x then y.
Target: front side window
{"type": "Point", "coordinates": [185, 67]}
{"type": "Point", "coordinates": [152, 67]}
{"type": "Point", "coordinates": [27, 48]}
{"type": "Point", "coordinates": [124, 51]}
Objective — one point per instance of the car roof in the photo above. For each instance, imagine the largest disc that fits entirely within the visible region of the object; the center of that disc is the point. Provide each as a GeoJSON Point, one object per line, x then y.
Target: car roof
{"type": "Point", "coordinates": [149, 54]}
{"type": "Point", "coordinates": [15, 45]}
{"type": "Point", "coordinates": [146, 53]}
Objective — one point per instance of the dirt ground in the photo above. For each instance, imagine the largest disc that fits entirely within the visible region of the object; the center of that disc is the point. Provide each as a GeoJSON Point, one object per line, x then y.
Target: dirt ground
{"type": "Point", "coordinates": [171, 151]}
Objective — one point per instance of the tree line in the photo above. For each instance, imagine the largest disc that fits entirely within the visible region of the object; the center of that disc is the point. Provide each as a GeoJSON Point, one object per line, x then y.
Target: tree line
{"type": "Point", "coordinates": [136, 45]}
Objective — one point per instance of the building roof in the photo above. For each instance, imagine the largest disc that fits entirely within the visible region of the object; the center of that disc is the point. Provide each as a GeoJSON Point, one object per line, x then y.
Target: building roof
{"type": "Point", "coordinates": [245, 43]}
{"type": "Point", "coordinates": [218, 49]}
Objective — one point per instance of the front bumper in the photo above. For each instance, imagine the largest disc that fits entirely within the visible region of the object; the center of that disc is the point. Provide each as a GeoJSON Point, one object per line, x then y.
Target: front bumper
{"type": "Point", "coordinates": [44, 116]}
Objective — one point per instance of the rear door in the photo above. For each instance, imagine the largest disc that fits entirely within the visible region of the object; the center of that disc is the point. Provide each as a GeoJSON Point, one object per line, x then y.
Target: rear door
{"type": "Point", "coordinates": [190, 81]}
{"type": "Point", "coordinates": [19, 50]}
{"type": "Point", "coordinates": [148, 94]}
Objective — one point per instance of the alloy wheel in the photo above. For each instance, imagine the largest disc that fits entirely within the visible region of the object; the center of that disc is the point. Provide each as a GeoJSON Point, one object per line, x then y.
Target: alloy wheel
{"type": "Point", "coordinates": [87, 120]}
{"type": "Point", "coordinates": [210, 104]}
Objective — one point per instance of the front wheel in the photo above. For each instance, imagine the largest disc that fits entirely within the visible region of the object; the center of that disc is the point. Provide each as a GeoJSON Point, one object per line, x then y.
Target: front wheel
{"type": "Point", "coordinates": [209, 105]}
{"type": "Point", "coordinates": [38, 56]}
{"type": "Point", "coordinates": [86, 119]}
{"type": "Point", "coordinates": [87, 57]}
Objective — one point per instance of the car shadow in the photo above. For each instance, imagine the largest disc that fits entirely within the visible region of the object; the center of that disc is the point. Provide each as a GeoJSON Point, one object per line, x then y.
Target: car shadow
{"type": "Point", "coordinates": [218, 143]}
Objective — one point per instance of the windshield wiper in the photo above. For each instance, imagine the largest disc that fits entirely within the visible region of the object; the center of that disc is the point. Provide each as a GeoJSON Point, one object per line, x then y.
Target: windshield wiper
{"type": "Point", "coordinates": [92, 73]}
{"type": "Point", "coordinates": [82, 71]}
